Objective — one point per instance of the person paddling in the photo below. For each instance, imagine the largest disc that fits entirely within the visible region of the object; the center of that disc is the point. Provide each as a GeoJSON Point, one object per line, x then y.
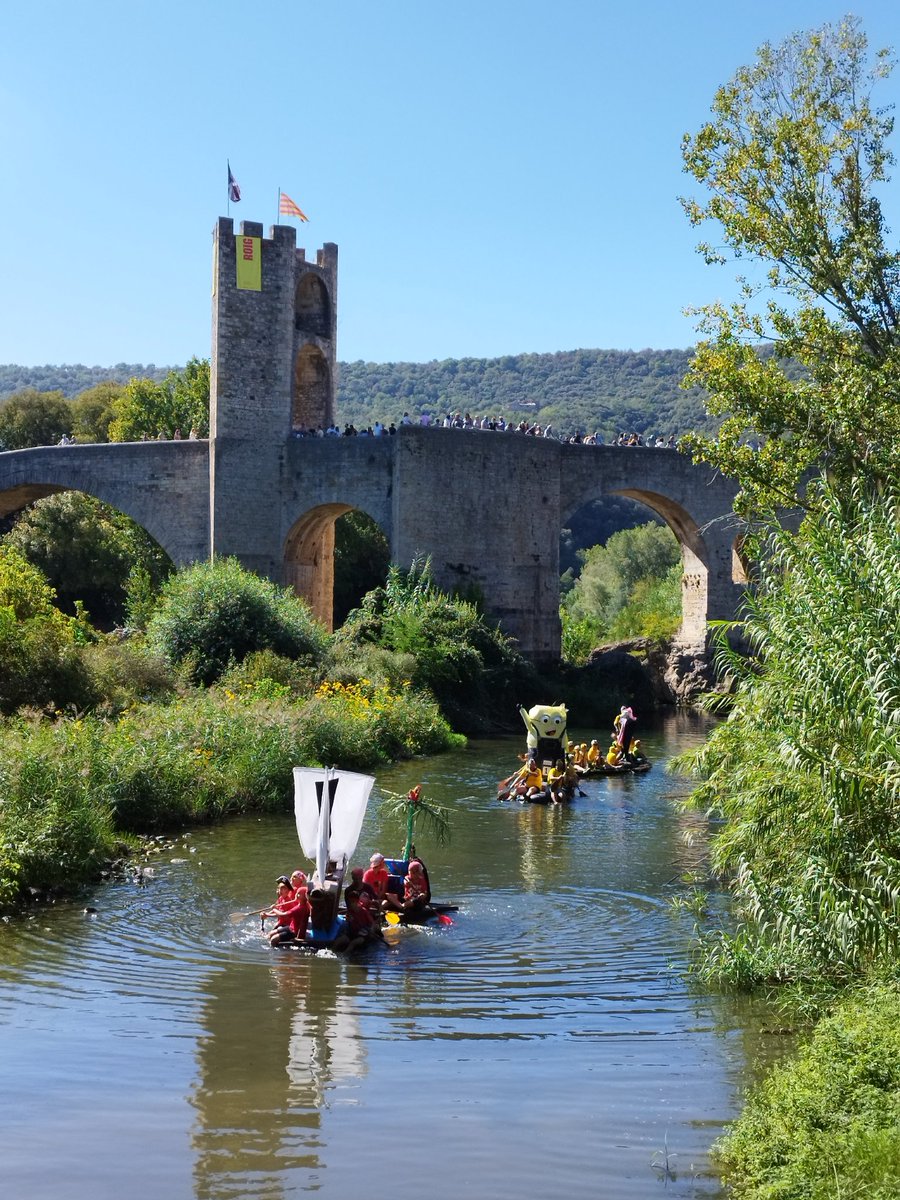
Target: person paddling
{"type": "Point", "coordinates": [377, 877]}
{"type": "Point", "coordinates": [416, 892]}
{"type": "Point", "coordinates": [291, 911]}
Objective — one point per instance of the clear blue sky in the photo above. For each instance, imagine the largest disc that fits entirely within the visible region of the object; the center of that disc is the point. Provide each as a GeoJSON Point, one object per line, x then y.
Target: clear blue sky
{"type": "Point", "coordinates": [500, 175]}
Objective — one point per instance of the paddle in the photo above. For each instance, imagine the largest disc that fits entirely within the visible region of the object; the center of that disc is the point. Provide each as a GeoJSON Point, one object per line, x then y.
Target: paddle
{"type": "Point", "coordinates": [234, 918]}
{"type": "Point", "coordinates": [443, 919]}
{"type": "Point", "coordinates": [392, 918]}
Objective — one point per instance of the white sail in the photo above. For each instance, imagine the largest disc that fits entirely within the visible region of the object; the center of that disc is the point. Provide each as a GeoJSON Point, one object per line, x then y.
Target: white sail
{"type": "Point", "coordinates": [329, 807]}
{"type": "Point", "coordinates": [323, 826]}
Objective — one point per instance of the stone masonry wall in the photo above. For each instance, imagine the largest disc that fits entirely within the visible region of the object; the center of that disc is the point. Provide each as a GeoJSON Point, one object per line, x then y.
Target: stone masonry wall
{"type": "Point", "coordinates": [164, 486]}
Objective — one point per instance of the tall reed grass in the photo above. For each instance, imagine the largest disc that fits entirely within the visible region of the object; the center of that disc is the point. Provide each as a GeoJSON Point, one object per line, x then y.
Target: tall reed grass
{"type": "Point", "coordinates": [806, 769]}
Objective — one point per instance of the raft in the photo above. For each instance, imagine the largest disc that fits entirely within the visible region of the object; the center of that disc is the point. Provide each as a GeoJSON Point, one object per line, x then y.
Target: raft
{"type": "Point", "coordinates": [599, 770]}
{"type": "Point", "coordinates": [637, 768]}
{"type": "Point", "coordinates": [329, 807]}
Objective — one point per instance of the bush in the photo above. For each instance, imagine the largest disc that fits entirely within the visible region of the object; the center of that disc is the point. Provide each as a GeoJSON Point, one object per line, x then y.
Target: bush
{"type": "Point", "coordinates": [826, 1123]}
{"type": "Point", "coordinates": [40, 662]}
{"type": "Point", "coordinates": [267, 675]}
{"type": "Point", "coordinates": [580, 635]}
{"type": "Point", "coordinates": [55, 828]}
{"type": "Point", "coordinates": [126, 673]}
{"type": "Point", "coordinates": [40, 666]}
{"type": "Point", "coordinates": [353, 661]}
{"type": "Point", "coordinates": [470, 667]}
{"type": "Point", "coordinates": [212, 615]}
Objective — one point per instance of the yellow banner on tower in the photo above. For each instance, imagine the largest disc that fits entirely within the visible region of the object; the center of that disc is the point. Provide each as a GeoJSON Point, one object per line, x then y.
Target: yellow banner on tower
{"type": "Point", "coordinates": [248, 253]}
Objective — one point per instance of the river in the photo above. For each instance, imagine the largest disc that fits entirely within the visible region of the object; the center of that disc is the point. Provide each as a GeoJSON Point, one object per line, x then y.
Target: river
{"type": "Point", "coordinates": [545, 1045]}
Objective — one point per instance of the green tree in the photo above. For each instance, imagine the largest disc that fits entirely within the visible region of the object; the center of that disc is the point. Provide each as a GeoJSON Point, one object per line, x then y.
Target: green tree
{"type": "Point", "coordinates": [653, 608]}
{"type": "Point", "coordinates": [180, 402]}
{"type": "Point", "coordinates": [93, 410]}
{"type": "Point", "coordinates": [87, 551]}
{"type": "Point", "coordinates": [611, 573]}
{"type": "Point", "coordinates": [212, 615]}
{"type": "Point", "coordinates": [30, 418]}
{"type": "Point", "coordinates": [791, 163]}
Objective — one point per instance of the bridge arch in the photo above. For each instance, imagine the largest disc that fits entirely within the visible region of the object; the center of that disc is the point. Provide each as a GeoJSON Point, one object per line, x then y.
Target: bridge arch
{"type": "Point", "coordinates": [309, 556]}
{"type": "Point", "coordinates": [81, 566]}
{"type": "Point", "coordinates": [16, 500]}
{"type": "Point", "coordinates": [161, 486]}
{"type": "Point", "coordinates": [695, 557]}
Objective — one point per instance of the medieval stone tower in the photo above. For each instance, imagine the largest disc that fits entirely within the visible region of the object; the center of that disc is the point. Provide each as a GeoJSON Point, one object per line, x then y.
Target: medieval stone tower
{"type": "Point", "coordinates": [273, 372]}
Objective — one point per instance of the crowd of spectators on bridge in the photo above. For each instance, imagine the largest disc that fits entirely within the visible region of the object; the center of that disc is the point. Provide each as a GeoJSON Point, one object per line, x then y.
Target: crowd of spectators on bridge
{"type": "Point", "coordinates": [450, 421]}
{"type": "Point", "coordinates": [459, 420]}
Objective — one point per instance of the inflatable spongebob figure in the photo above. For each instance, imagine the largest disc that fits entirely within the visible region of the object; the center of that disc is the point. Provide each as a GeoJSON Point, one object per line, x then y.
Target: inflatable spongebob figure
{"type": "Point", "coordinates": [546, 725]}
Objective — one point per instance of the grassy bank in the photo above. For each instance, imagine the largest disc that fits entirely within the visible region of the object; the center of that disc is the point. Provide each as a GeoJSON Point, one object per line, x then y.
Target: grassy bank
{"type": "Point", "coordinates": [826, 1124]}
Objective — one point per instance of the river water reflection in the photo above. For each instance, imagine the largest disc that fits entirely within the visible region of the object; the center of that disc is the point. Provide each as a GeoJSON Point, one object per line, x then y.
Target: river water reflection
{"type": "Point", "coordinates": [544, 1045]}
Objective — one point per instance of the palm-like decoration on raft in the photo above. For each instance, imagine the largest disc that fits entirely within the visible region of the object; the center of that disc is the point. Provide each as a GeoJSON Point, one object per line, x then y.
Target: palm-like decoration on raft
{"type": "Point", "coordinates": [418, 812]}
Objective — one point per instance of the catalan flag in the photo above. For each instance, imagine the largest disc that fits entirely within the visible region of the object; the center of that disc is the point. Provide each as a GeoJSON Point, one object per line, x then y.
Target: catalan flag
{"type": "Point", "coordinates": [287, 208]}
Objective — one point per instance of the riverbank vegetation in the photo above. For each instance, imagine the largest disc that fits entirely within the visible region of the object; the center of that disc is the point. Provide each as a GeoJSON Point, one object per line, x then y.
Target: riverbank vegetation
{"type": "Point", "coordinates": [805, 770]}
{"type": "Point", "coordinates": [802, 776]}
{"type": "Point", "coordinates": [204, 713]}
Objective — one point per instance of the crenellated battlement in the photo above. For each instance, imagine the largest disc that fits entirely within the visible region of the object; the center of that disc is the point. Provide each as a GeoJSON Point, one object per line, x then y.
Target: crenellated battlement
{"type": "Point", "coordinates": [282, 235]}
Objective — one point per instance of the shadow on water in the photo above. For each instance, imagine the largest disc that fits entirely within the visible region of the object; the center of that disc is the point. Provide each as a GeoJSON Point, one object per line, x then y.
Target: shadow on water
{"type": "Point", "coordinates": [545, 1043]}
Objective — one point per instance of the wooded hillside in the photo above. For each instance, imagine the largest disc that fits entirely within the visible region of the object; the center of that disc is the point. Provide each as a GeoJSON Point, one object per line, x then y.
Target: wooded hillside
{"type": "Point", "coordinates": [602, 390]}
{"type": "Point", "coordinates": [592, 390]}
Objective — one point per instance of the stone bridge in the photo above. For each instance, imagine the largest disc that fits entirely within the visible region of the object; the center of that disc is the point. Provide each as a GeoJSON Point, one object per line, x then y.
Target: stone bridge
{"type": "Point", "coordinates": [487, 507]}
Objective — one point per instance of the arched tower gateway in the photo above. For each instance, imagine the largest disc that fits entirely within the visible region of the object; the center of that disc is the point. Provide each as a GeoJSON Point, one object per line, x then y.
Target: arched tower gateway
{"type": "Point", "coordinates": [272, 374]}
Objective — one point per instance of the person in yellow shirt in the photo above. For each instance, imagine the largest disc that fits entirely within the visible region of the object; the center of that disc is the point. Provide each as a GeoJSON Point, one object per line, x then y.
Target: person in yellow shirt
{"type": "Point", "coordinates": [529, 782]}
{"type": "Point", "coordinates": [556, 782]}
{"type": "Point", "coordinates": [635, 754]}
{"type": "Point", "coordinates": [614, 755]}
{"type": "Point", "coordinates": [593, 754]}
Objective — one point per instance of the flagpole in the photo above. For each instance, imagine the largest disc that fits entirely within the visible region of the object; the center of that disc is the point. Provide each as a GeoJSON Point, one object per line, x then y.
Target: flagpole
{"type": "Point", "coordinates": [278, 207]}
